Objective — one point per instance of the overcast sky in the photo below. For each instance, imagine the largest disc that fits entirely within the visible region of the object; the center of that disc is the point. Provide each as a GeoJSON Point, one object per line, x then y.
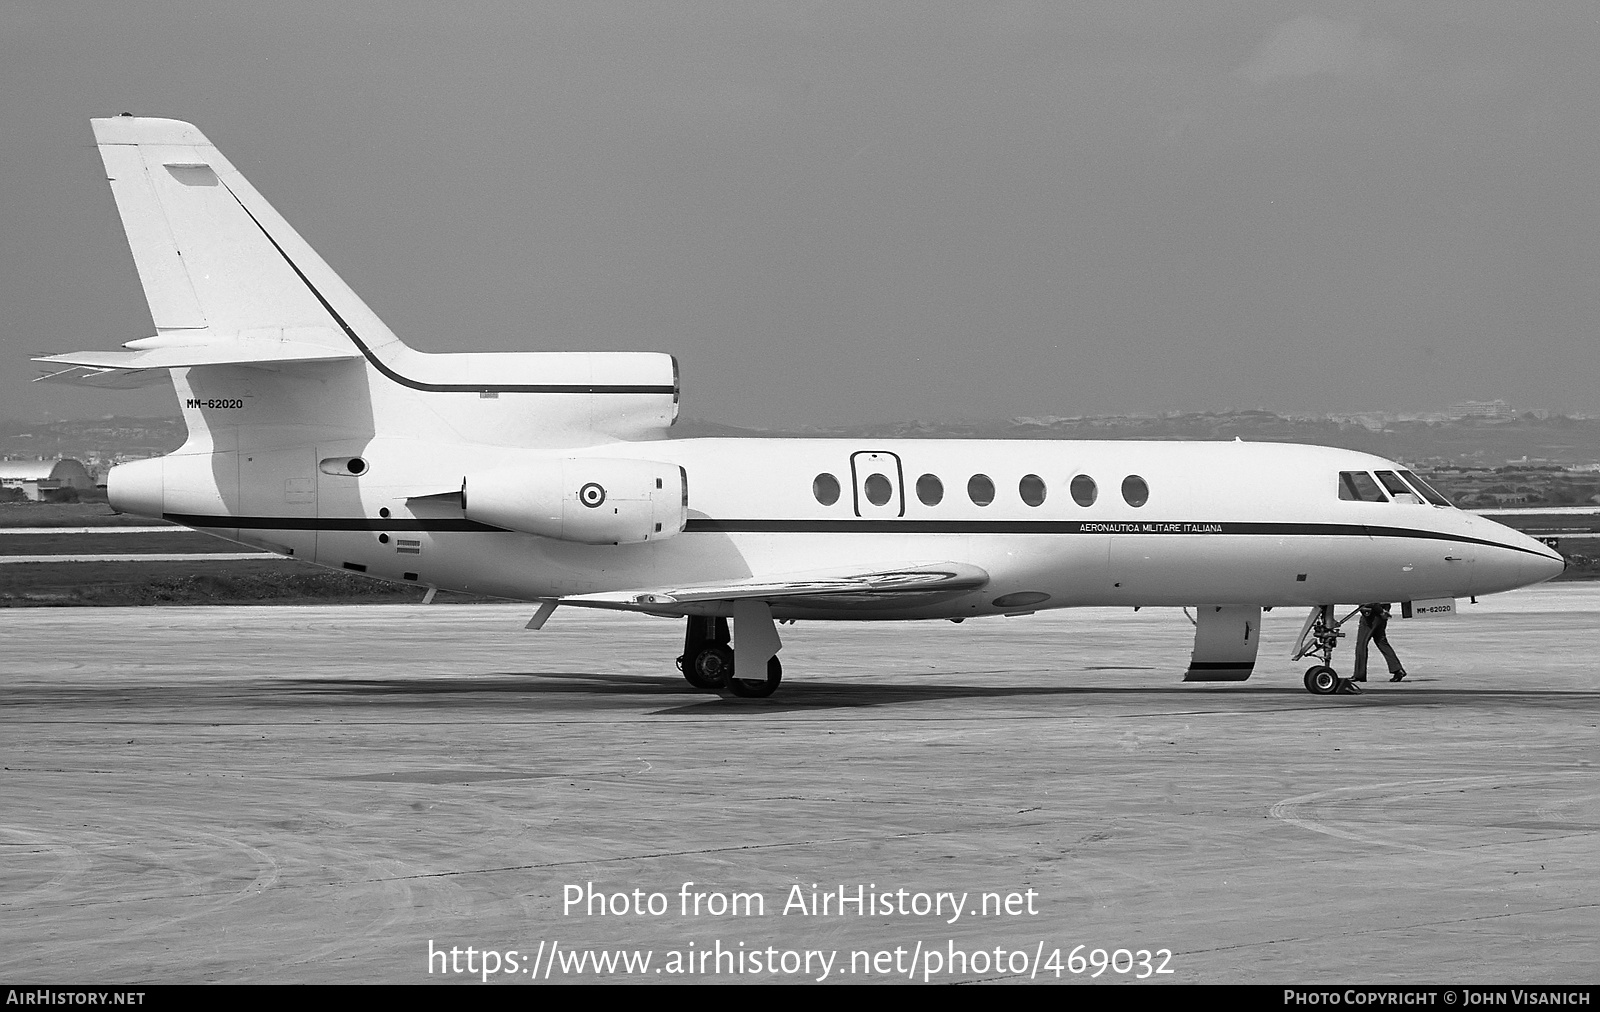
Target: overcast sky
{"type": "Point", "coordinates": [848, 212]}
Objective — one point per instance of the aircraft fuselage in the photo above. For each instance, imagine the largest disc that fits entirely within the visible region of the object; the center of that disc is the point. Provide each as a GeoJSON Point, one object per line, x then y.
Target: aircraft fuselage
{"type": "Point", "coordinates": [1151, 523]}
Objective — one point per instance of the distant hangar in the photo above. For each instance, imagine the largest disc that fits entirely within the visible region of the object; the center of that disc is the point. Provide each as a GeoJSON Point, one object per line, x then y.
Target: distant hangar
{"type": "Point", "coordinates": [39, 478]}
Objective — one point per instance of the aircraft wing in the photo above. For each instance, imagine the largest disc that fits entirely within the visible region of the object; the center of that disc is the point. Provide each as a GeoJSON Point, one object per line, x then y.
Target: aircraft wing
{"type": "Point", "coordinates": [881, 585]}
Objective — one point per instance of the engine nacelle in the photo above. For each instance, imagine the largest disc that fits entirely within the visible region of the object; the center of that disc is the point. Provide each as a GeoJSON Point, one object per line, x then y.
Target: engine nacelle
{"type": "Point", "coordinates": [591, 500]}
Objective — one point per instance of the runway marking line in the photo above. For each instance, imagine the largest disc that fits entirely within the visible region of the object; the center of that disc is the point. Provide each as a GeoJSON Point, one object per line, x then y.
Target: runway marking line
{"type": "Point", "coordinates": [8, 560]}
{"type": "Point", "coordinates": [1282, 809]}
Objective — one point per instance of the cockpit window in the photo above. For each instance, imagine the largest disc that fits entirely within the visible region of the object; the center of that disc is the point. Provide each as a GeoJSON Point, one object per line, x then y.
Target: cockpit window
{"type": "Point", "coordinates": [1358, 486]}
{"type": "Point", "coordinates": [1428, 491]}
{"type": "Point", "coordinates": [1397, 488]}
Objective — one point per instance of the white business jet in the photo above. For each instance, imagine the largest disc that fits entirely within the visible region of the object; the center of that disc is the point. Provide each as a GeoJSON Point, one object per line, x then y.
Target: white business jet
{"type": "Point", "coordinates": [548, 477]}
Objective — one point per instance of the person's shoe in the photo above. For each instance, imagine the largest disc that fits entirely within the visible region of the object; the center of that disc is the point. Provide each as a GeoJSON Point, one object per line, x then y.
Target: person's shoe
{"type": "Point", "coordinates": [1358, 678]}
{"type": "Point", "coordinates": [1399, 675]}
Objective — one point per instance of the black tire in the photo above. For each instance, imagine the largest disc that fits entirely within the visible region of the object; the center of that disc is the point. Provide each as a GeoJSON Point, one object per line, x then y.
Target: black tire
{"type": "Point", "coordinates": [693, 678]}
{"type": "Point", "coordinates": [749, 689]}
{"type": "Point", "coordinates": [712, 668]}
{"type": "Point", "coordinates": [1322, 680]}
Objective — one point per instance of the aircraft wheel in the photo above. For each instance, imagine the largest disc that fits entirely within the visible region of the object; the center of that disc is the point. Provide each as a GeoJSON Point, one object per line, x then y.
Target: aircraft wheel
{"type": "Point", "coordinates": [712, 668]}
{"type": "Point", "coordinates": [1322, 680]}
{"type": "Point", "coordinates": [692, 676]}
{"type": "Point", "coordinates": [751, 689]}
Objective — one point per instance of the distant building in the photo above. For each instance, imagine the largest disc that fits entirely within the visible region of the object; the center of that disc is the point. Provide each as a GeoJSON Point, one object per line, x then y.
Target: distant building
{"type": "Point", "coordinates": [1372, 421]}
{"type": "Point", "coordinates": [37, 478]}
{"type": "Point", "coordinates": [1479, 409]}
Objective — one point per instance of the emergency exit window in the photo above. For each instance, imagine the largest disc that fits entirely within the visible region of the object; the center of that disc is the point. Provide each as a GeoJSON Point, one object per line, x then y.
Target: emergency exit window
{"type": "Point", "coordinates": [879, 489]}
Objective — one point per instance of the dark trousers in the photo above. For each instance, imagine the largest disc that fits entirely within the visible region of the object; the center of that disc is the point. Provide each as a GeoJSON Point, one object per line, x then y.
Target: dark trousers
{"type": "Point", "coordinates": [1364, 633]}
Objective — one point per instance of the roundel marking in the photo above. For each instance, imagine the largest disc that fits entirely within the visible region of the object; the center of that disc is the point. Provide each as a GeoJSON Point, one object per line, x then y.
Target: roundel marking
{"type": "Point", "coordinates": [592, 494]}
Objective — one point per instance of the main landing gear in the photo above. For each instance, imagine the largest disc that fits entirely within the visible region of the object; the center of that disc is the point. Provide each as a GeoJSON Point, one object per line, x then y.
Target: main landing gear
{"type": "Point", "coordinates": [1318, 637]}
{"type": "Point", "coordinates": [708, 661]}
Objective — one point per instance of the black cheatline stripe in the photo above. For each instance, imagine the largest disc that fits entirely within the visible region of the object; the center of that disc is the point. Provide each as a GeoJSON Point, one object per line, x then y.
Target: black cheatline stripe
{"type": "Point", "coordinates": [331, 524]}
{"type": "Point", "coordinates": [857, 525]}
{"type": "Point", "coordinates": [708, 525]}
{"type": "Point", "coordinates": [461, 388]}
{"type": "Point", "coordinates": [1405, 532]}
{"type": "Point", "coordinates": [1222, 665]}
{"type": "Point", "coordinates": [1190, 528]}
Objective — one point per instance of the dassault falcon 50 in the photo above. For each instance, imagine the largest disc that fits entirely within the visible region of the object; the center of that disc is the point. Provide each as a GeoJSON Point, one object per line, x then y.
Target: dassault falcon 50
{"type": "Point", "coordinates": [549, 477]}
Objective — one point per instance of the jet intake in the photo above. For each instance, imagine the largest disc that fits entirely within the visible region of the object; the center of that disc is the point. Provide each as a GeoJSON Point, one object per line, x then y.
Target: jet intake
{"type": "Point", "coordinates": [590, 500]}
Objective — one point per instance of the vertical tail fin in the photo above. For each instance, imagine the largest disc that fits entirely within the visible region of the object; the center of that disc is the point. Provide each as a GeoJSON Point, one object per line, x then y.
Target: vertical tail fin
{"type": "Point", "coordinates": [216, 261]}
{"type": "Point", "coordinates": [263, 340]}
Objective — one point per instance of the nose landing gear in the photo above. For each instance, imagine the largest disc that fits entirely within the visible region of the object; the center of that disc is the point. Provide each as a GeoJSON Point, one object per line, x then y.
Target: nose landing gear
{"type": "Point", "coordinates": [1318, 637]}
{"type": "Point", "coordinates": [1322, 680]}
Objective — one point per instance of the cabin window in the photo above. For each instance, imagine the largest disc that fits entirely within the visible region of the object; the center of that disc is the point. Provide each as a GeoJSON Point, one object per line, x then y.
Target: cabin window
{"type": "Point", "coordinates": [1397, 488]}
{"type": "Point", "coordinates": [1134, 491]}
{"type": "Point", "coordinates": [930, 490]}
{"type": "Point", "coordinates": [1031, 488]}
{"type": "Point", "coordinates": [1428, 491]}
{"type": "Point", "coordinates": [826, 488]}
{"type": "Point", "coordinates": [878, 489]}
{"type": "Point", "coordinates": [1358, 486]}
{"type": "Point", "coordinates": [1083, 490]}
{"type": "Point", "coordinates": [980, 489]}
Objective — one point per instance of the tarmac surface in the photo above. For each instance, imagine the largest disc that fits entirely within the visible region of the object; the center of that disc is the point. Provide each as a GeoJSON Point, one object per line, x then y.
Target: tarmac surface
{"type": "Point", "coordinates": [318, 794]}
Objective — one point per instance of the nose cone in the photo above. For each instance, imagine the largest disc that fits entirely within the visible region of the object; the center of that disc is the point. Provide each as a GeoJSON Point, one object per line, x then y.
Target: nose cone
{"type": "Point", "coordinates": [1515, 560]}
{"type": "Point", "coordinates": [137, 487]}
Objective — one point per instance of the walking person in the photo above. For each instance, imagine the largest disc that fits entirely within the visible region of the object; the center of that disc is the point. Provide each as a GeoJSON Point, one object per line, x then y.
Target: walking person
{"type": "Point", "coordinates": [1374, 623]}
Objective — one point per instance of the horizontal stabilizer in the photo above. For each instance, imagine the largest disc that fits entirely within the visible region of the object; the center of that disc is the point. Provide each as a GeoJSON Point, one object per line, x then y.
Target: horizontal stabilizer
{"type": "Point", "coordinates": [921, 578]}
{"type": "Point", "coordinates": [105, 379]}
{"type": "Point", "coordinates": [155, 355]}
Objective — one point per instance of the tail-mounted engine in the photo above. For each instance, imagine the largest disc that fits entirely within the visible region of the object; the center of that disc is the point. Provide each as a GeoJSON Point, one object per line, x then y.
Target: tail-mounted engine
{"type": "Point", "coordinates": [591, 500]}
